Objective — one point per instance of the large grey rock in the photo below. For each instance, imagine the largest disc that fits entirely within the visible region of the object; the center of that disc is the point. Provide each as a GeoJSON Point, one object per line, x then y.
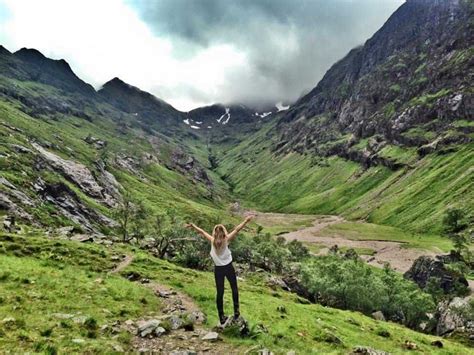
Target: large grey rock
{"type": "Point", "coordinates": [77, 173]}
{"type": "Point", "coordinates": [453, 316]}
{"type": "Point", "coordinates": [378, 316]}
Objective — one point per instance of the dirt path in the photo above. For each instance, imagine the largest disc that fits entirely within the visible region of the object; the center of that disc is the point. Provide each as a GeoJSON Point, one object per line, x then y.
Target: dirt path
{"type": "Point", "coordinates": [123, 264]}
{"type": "Point", "coordinates": [399, 257]}
{"type": "Point", "coordinates": [176, 305]}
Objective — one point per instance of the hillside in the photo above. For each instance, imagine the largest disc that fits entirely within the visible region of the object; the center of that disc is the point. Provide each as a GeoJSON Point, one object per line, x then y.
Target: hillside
{"type": "Point", "coordinates": [386, 135]}
{"type": "Point", "coordinates": [66, 300]}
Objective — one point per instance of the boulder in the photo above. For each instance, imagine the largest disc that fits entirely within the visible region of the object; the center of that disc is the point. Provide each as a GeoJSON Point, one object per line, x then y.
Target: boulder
{"type": "Point", "coordinates": [425, 268]}
{"type": "Point", "coordinates": [378, 316]}
{"type": "Point", "coordinates": [453, 316]}
{"type": "Point", "coordinates": [149, 328]}
{"type": "Point", "coordinates": [295, 285]}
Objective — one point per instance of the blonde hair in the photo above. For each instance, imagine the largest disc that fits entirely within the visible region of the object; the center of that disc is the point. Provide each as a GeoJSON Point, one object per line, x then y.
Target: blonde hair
{"type": "Point", "coordinates": [219, 234]}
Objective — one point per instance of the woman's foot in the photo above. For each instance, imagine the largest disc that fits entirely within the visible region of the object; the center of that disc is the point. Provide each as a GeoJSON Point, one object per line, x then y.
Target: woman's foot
{"type": "Point", "coordinates": [223, 319]}
{"type": "Point", "coordinates": [236, 315]}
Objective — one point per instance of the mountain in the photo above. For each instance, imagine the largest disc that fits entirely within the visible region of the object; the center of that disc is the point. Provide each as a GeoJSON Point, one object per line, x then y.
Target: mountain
{"type": "Point", "coordinates": [385, 136]}
{"type": "Point", "coordinates": [387, 121]}
{"type": "Point", "coordinates": [148, 109]}
{"type": "Point", "coordinates": [31, 65]}
{"type": "Point", "coordinates": [410, 85]}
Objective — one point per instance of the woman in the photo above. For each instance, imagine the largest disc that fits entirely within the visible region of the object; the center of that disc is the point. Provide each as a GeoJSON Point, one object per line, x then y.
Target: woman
{"type": "Point", "coordinates": [223, 268]}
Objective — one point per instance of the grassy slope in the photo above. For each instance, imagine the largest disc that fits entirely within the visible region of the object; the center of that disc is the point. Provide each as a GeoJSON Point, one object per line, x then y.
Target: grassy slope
{"type": "Point", "coordinates": [47, 276]}
{"type": "Point", "coordinates": [414, 198]}
{"type": "Point", "coordinates": [160, 188]}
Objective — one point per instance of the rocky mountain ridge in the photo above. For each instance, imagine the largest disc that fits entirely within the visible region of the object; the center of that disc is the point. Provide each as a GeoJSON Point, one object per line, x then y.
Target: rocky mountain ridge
{"type": "Point", "coordinates": [410, 85]}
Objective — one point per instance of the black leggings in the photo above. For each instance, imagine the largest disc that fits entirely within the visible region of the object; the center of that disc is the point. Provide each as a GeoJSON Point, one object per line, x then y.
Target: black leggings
{"type": "Point", "coordinates": [220, 273]}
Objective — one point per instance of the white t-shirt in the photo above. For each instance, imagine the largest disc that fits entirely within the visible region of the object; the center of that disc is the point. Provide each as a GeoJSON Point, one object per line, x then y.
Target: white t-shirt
{"type": "Point", "coordinates": [221, 257]}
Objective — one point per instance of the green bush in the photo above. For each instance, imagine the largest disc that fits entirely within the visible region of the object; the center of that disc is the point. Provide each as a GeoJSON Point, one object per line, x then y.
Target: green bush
{"type": "Point", "coordinates": [354, 285]}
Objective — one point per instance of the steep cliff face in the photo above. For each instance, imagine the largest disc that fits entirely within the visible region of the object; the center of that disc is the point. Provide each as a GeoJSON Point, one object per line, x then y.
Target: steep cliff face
{"type": "Point", "coordinates": [410, 85]}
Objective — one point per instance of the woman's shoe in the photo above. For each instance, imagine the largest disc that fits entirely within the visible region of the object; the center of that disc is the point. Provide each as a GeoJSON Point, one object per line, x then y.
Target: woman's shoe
{"type": "Point", "coordinates": [223, 319]}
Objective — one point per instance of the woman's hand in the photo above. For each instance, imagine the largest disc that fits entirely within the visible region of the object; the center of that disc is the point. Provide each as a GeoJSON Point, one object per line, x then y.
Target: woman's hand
{"type": "Point", "coordinates": [249, 218]}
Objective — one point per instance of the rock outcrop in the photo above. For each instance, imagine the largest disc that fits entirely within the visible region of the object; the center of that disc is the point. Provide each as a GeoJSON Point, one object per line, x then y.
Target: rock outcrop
{"type": "Point", "coordinates": [455, 315]}
{"type": "Point", "coordinates": [426, 268]}
{"type": "Point", "coordinates": [78, 174]}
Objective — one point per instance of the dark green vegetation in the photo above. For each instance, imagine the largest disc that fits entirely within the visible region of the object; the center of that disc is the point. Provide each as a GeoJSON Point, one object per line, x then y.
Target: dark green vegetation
{"type": "Point", "coordinates": [46, 280]}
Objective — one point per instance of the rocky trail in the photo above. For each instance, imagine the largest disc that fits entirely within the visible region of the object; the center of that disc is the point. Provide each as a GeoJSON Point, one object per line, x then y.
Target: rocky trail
{"type": "Point", "coordinates": [179, 330]}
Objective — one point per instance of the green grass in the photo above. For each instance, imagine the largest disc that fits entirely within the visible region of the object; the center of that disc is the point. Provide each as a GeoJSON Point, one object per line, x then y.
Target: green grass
{"type": "Point", "coordinates": [65, 278]}
{"type": "Point", "coordinates": [281, 223]}
{"type": "Point", "coordinates": [304, 328]}
{"type": "Point", "coordinates": [368, 231]}
{"type": "Point", "coordinates": [399, 154]}
{"type": "Point", "coordinates": [428, 99]}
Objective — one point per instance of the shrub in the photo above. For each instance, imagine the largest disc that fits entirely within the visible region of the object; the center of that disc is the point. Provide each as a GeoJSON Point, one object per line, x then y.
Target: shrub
{"type": "Point", "coordinates": [352, 284]}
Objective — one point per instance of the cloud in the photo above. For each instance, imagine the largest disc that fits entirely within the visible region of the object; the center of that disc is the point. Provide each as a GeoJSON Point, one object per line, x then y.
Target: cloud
{"type": "Point", "coordinates": [195, 52]}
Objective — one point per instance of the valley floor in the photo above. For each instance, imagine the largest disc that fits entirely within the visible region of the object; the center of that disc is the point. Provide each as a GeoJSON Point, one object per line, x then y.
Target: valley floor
{"type": "Point", "coordinates": [374, 243]}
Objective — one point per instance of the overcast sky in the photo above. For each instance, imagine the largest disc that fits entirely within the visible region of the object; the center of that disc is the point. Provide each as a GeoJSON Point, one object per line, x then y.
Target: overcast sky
{"type": "Point", "coordinates": [196, 52]}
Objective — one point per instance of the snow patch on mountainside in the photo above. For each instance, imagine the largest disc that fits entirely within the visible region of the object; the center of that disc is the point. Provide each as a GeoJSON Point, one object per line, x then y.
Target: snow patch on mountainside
{"type": "Point", "coordinates": [281, 107]}
{"type": "Point", "coordinates": [195, 127]}
{"type": "Point", "coordinates": [263, 114]}
{"type": "Point", "coordinates": [186, 121]}
{"type": "Point", "coordinates": [224, 119]}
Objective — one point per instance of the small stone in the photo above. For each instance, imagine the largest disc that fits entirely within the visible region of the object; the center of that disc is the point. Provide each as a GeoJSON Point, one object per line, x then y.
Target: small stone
{"type": "Point", "coordinates": [78, 341]}
{"type": "Point", "coordinates": [118, 348]}
{"type": "Point", "coordinates": [291, 352]}
{"type": "Point", "coordinates": [437, 343]}
{"type": "Point", "coordinates": [197, 317]}
{"type": "Point", "coordinates": [410, 345]}
{"type": "Point", "coordinates": [159, 331]}
{"type": "Point", "coordinates": [79, 319]}
{"type": "Point", "coordinates": [129, 322]}
{"type": "Point", "coordinates": [8, 320]}
{"type": "Point", "coordinates": [176, 322]}
{"type": "Point", "coordinates": [211, 336]}
{"type": "Point", "coordinates": [365, 350]}
{"type": "Point", "coordinates": [63, 315]}
{"type": "Point", "coordinates": [378, 316]}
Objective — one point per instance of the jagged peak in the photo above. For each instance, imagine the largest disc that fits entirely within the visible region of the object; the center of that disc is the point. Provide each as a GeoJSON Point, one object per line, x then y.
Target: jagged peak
{"type": "Point", "coordinates": [29, 53]}
{"type": "Point", "coordinates": [116, 82]}
{"type": "Point", "coordinates": [3, 50]}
